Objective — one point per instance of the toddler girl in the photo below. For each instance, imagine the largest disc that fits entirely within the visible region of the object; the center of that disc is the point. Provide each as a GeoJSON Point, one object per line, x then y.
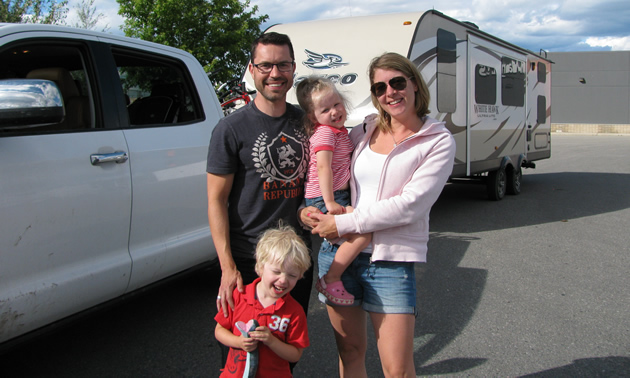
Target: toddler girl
{"type": "Point", "coordinates": [328, 174]}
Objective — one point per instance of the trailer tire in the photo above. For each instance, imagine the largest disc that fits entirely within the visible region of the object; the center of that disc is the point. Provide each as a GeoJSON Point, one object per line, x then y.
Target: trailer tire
{"type": "Point", "coordinates": [496, 184]}
{"type": "Point", "coordinates": [514, 179]}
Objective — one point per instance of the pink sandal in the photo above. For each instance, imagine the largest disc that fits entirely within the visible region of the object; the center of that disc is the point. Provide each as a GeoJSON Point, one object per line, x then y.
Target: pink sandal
{"type": "Point", "coordinates": [335, 292]}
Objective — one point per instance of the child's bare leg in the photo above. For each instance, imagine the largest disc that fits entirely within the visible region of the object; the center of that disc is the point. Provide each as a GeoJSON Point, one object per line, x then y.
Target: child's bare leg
{"type": "Point", "coordinates": [346, 253]}
{"type": "Point", "coordinates": [330, 284]}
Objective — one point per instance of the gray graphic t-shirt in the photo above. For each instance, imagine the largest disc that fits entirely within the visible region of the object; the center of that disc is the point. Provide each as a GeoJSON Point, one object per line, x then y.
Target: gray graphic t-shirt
{"type": "Point", "coordinates": [269, 158]}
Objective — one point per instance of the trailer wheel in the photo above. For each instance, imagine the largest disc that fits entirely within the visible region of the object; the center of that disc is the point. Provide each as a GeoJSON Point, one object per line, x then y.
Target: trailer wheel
{"type": "Point", "coordinates": [496, 184]}
{"type": "Point", "coordinates": [515, 175]}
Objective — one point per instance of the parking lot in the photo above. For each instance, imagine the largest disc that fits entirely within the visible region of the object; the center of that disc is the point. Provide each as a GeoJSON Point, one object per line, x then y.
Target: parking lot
{"type": "Point", "coordinates": [535, 284]}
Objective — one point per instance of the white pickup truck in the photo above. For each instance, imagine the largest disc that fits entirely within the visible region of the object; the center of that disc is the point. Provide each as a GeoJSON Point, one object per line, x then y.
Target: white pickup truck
{"type": "Point", "coordinates": [103, 145]}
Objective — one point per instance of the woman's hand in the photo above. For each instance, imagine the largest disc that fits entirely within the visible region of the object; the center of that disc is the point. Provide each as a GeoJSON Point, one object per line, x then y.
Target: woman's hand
{"type": "Point", "coordinates": [325, 226]}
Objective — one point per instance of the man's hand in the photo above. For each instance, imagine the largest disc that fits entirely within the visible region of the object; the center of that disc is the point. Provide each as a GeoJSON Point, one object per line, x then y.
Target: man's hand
{"type": "Point", "coordinates": [230, 278]}
{"type": "Point", "coordinates": [306, 219]}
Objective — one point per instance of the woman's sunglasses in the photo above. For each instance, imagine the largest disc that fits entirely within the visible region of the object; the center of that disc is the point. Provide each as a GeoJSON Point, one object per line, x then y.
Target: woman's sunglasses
{"type": "Point", "coordinates": [398, 83]}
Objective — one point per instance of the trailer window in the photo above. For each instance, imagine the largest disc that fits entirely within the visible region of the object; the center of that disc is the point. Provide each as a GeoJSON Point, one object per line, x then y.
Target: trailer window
{"type": "Point", "coordinates": [446, 71]}
{"type": "Point", "coordinates": [542, 72]}
{"type": "Point", "coordinates": [541, 111]}
{"type": "Point", "coordinates": [485, 85]}
{"type": "Point", "coordinates": [512, 82]}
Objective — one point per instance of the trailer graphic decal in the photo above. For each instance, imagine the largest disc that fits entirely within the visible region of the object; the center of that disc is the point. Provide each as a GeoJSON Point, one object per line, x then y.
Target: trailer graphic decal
{"type": "Point", "coordinates": [323, 61]}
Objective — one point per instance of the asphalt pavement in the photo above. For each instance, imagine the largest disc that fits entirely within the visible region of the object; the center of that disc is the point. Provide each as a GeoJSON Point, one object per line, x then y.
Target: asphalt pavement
{"type": "Point", "coordinates": [534, 285]}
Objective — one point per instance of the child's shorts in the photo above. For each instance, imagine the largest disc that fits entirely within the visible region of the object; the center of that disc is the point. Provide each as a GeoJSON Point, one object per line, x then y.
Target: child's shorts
{"type": "Point", "coordinates": [386, 287]}
{"type": "Point", "coordinates": [342, 197]}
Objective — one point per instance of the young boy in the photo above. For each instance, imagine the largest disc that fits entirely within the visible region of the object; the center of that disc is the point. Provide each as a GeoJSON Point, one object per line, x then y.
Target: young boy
{"type": "Point", "coordinates": [281, 260]}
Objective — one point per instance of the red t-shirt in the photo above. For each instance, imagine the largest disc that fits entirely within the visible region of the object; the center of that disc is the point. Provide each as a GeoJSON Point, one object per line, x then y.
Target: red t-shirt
{"type": "Point", "coordinates": [285, 319]}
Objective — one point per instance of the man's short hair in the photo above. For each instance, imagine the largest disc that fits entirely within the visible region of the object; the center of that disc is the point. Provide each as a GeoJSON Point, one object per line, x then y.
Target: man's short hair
{"type": "Point", "coordinates": [272, 38]}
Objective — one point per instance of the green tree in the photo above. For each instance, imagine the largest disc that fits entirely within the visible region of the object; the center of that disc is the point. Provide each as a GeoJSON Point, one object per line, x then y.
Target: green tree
{"type": "Point", "coordinates": [34, 11]}
{"type": "Point", "coordinates": [88, 18]}
{"type": "Point", "coordinates": [217, 32]}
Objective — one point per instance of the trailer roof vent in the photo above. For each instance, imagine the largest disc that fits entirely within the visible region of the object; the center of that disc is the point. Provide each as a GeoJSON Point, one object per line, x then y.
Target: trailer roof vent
{"type": "Point", "coordinates": [471, 24]}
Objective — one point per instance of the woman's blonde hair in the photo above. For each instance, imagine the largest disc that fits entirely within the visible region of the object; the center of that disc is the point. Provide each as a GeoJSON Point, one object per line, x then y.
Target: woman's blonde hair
{"type": "Point", "coordinates": [397, 62]}
{"type": "Point", "coordinates": [306, 90]}
{"type": "Point", "coordinates": [282, 245]}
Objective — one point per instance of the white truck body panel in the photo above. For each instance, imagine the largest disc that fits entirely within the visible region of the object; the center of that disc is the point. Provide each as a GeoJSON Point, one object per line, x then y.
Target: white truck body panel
{"type": "Point", "coordinates": [75, 235]}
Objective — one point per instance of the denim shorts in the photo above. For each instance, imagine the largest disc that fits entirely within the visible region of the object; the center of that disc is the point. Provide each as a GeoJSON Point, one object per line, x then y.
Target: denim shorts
{"type": "Point", "coordinates": [342, 197]}
{"type": "Point", "coordinates": [386, 287]}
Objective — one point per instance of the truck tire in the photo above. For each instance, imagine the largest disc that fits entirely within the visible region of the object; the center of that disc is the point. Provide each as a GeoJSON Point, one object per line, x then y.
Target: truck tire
{"type": "Point", "coordinates": [496, 184]}
{"type": "Point", "coordinates": [514, 178]}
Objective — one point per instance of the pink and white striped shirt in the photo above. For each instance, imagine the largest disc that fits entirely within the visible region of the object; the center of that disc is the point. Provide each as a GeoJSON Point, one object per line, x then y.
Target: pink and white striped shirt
{"type": "Point", "coordinates": [328, 138]}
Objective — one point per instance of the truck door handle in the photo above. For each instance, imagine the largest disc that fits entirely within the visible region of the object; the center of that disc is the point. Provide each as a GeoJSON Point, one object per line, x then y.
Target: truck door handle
{"type": "Point", "coordinates": [116, 157]}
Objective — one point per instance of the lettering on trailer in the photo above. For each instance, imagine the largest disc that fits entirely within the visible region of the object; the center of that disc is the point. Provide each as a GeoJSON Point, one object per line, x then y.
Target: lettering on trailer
{"type": "Point", "coordinates": [486, 111]}
{"type": "Point", "coordinates": [485, 71]}
{"type": "Point", "coordinates": [317, 61]}
{"type": "Point", "coordinates": [513, 67]}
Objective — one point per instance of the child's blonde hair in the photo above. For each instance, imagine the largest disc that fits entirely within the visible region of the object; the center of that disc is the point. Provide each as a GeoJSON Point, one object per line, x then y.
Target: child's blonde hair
{"type": "Point", "coordinates": [307, 89]}
{"type": "Point", "coordinates": [282, 245]}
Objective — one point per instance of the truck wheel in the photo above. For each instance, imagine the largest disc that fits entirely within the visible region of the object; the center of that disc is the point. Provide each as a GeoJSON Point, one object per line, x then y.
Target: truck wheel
{"type": "Point", "coordinates": [514, 181]}
{"type": "Point", "coordinates": [496, 184]}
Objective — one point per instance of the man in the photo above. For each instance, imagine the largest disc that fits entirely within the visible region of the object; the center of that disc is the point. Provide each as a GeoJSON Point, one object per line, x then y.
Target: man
{"type": "Point", "coordinates": [257, 162]}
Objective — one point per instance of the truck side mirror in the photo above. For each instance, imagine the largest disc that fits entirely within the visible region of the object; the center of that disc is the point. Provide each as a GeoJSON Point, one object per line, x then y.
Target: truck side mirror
{"type": "Point", "coordinates": [26, 103]}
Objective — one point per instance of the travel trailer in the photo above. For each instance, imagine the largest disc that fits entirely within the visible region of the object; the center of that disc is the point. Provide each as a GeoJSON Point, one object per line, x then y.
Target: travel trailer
{"type": "Point", "coordinates": [494, 96]}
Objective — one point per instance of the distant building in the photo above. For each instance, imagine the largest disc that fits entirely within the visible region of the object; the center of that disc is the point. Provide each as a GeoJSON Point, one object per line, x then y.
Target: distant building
{"type": "Point", "coordinates": [590, 91]}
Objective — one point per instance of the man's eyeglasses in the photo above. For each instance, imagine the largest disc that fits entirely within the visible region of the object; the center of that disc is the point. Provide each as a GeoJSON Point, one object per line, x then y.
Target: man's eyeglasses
{"type": "Point", "coordinates": [398, 83]}
{"type": "Point", "coordinates": [268, 67]}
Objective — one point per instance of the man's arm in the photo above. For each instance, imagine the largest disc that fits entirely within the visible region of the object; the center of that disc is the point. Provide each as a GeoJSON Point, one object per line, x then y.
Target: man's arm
{"type": "Point", "coordinates": [219, 187]}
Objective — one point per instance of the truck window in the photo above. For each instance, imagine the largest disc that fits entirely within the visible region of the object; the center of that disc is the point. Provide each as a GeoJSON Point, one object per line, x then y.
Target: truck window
{"type": "Point", "coordinates": [446, 71]}
{"type": "Point", "coordinates": [157, 89]}
{"type": "Point", "coordinates": [485, 85]}
{"type": "Point", "coordinates": [62, 63]}
{"type": "Point", "coordinates": [512, 82]}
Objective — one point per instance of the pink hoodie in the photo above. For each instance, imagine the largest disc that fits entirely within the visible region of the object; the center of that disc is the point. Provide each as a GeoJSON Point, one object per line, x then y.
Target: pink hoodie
{"type": "Point", "coordinates": [413, 176]}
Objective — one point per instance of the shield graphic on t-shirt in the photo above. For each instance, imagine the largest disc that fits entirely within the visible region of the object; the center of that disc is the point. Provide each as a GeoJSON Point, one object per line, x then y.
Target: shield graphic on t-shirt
{"type": "Point", "coordinates": [286, 154]}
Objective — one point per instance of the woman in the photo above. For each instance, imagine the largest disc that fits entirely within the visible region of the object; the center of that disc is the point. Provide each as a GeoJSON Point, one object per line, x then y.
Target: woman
{"type": "Point", "coordinates": [413, 155]}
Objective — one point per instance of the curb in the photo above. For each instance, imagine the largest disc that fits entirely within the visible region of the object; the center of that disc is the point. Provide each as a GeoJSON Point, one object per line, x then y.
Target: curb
{"type": "Point", "coordinates": [590, 129]}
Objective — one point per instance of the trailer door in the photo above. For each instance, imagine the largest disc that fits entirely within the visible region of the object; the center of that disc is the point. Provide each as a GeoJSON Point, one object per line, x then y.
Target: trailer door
{"type": "Point", "coordinates": [538, 109]}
